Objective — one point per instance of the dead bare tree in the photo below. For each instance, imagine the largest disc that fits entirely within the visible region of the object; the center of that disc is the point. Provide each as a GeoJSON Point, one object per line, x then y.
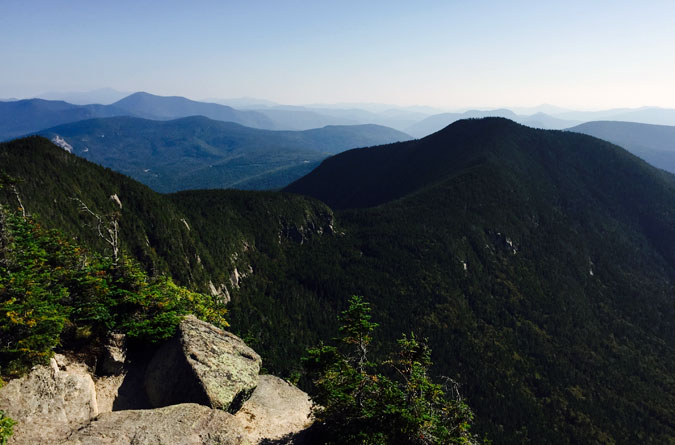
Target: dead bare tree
{"type": "Point", "coordinates": [10, 182]}
{"type": "Point", "coordinates": [107, 226]}
{"type": "Point", "coordinates": [18, 198]}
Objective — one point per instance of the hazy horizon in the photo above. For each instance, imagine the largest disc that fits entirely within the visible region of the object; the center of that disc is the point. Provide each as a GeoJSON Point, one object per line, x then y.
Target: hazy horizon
{"type": "Point", "coordinates": [368, 106]}
{"type": "Point", "coordinates": [445, 55]}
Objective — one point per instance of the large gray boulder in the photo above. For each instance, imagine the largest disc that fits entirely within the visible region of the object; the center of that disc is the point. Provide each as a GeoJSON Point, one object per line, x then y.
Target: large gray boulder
{"type": "Point", "coordinates": [186, 424]}
{"type": "Point", "coordinates": [276, 409]}
{"type": "Point", "coordinates": [49, 402]}
{"type": "Point", "coordinates": [202, 364]}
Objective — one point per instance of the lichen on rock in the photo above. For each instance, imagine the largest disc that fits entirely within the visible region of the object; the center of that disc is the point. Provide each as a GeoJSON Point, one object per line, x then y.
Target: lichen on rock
{"type": "Point", "coordinates": [202, 364]}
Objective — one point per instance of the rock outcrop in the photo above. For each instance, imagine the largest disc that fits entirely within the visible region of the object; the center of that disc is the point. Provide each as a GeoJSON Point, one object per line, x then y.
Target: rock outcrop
{"type": "Point", "coordinates": [188, 424]}
{"type": "Point", "coordinates": [276, 409]}
{"type": "Point", "coordinates": [198, 375]}
{"type": "Point", "coordinates": [204, 365]}
{"type": "Point", "coordinates": [114, 355]}
{"type": "Point", "coordinates": [49, 402]}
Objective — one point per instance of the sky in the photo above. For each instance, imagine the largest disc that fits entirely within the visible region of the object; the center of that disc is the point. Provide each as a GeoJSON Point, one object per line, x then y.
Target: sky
{"type": "Point", "coordinates": [590, 54]}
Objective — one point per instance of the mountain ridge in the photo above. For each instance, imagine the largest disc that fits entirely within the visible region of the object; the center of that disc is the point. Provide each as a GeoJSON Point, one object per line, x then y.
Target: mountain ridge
{"type": "Point", "coordinates": [154, 107]}
{"type": "Point", "coordinates": [197, 152]}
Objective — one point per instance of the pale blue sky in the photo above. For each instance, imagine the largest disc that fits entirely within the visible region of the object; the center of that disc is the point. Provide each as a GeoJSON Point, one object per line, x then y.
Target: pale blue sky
{"type": "Point", "coordinates": [451, 54]}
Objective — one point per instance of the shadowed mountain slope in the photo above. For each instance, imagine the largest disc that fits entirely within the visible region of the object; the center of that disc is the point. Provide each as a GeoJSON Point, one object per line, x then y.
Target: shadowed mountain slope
{"type": "Point", "coordinates": [535, 261]}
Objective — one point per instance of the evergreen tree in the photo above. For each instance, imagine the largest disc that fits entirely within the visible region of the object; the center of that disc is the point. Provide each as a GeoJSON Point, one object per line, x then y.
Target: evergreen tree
{"type": "Point", "coordinates": [358, 401]}
{"type": "Point", "coordinates": [55, 293]}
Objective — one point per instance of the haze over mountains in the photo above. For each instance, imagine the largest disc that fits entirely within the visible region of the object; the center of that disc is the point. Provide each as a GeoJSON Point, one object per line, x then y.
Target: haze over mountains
{"type": "Point", "coordinates": [653, 143]}
{"type": "Point", "coordinates": [266, 163]}
{"type": "Point", "coordinates": [437, 122]}
{"type": "Point", "coordinates": [31, 115]}
{"type": "Point", "coordinates": [103, 96]}
{"type": "Point", "coordinates": [259, 113]}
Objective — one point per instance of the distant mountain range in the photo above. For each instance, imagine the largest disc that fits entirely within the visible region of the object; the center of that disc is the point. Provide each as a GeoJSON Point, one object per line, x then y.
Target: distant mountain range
{"type": "Point", "coordinates": [30, 115]}
{"type": "Point", "coordinates": [653, 143]}
{"type": "Point", "coordinates": [150, 106]}
{"type": "Point", "coordinates": [293, 117]}
{"type": "Point", "coordinates": [200, 153]}
{"type": "Point", "coordinates": [264, 114]}
{"type": "Point", "coordinates": [103, 96]}
{"type": "Point", "coordinates": [27, 116]}
{"type": "Point", "coordinates": [644, 115]}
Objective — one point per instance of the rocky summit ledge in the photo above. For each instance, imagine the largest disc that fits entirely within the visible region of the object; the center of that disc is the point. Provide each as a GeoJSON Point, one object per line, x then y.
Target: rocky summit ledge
{"type": "Point", "coordinates": [202, 387]}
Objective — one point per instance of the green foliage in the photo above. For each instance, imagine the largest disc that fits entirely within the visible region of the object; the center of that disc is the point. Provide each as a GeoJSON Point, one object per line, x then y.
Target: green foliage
{"type": "Point", "coordinates": [394, 402]}
{"type": "Point", "coordinates": [150, 309]}
{"type": "Point", "coordinates": [34, 269]}
{"type": "Point", "coordinates": [356, 329]}
{"type": "Point", "coordinates": [6, 428]}
{"type": "Point", "coordinates": [51, 288]}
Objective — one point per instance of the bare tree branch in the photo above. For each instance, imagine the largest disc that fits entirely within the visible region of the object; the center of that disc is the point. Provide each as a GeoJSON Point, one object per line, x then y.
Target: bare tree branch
{"type": "Point", "coordinates": [18, 198]}
{"type": "Point", "coordinates": [107, 227]}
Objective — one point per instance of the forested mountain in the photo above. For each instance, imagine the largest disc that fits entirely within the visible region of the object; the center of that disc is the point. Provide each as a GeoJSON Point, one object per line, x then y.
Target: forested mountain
{"type": "Point", "coordinates": [200, 153]}
{"type": "Point", "coordinates": [152, 228]}
{"type": "Point", "coordinates": [539, 264]}
{"type": "Point", "coordinates": [550, 252]}
{"type": "Point", "coordinates": [653, 143]}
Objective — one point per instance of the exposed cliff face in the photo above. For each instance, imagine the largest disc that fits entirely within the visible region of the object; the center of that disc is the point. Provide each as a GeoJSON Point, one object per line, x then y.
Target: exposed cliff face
{"type": "Point", "coordinates": [67, 402]}
{"type": "Point", "coordinates": [239, 235]}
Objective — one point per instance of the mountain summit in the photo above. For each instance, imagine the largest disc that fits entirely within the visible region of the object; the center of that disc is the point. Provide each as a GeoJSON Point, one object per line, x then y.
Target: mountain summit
{"type": "Point", "coordinates": [149, 106]}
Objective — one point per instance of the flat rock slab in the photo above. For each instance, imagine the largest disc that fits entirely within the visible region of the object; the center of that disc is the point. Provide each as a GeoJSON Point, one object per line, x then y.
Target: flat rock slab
{"type": "Point", "coordinates": [276, 409]}
{"type": "Point", "coordinates": [185, 424]}
{"type": "Point", "coordinates": [49, 402]}
{"type": "Point", "coordinates": [202, 364]}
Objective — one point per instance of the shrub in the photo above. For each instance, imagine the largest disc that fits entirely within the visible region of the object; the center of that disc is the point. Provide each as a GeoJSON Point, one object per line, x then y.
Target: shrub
{"type": "Point", "coordinates": [6, 428]}
{"type": "Point", "coordinates": [392, 402]}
